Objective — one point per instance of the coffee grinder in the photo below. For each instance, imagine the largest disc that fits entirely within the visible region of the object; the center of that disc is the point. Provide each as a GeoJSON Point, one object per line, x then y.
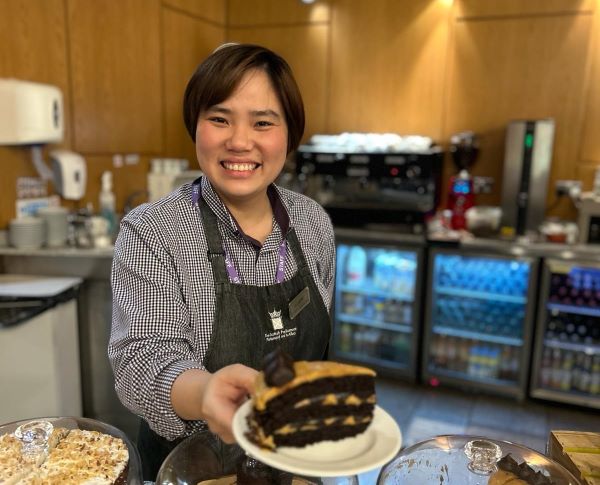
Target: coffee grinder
{"type": "Point", "coordinates": [464, 148]}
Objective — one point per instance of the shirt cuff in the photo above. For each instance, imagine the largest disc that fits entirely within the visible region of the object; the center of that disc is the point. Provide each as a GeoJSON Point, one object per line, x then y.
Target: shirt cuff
{"type": "Point", "coordinates": [166, 422]}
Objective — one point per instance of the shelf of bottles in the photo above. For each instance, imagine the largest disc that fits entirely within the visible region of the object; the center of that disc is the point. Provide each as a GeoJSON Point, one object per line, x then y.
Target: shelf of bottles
{"type": "Point", "coordinates": [569, 354]}
{"type": "Point", "coordinates": [477, 317]}
{"type": "Point", "coordinates": [374, 305]}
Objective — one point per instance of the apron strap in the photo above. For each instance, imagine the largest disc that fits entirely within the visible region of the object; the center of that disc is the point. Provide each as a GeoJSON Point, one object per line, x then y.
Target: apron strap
{"type": "Point", "coordinates": [216, 254]}
{"type": "Point", "coordinates": [294, 244]}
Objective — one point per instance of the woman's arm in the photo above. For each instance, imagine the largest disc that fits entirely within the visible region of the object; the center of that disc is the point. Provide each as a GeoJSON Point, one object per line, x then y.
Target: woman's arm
{"type": "Point", "coordinates": [214, 398]}
{"type": "Point", "coordinates": [151, 341]}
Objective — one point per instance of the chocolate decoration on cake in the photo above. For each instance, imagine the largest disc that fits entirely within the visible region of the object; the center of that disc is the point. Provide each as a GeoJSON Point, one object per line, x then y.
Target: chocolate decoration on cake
{"type": "Point", "coordinates": [278, 368]}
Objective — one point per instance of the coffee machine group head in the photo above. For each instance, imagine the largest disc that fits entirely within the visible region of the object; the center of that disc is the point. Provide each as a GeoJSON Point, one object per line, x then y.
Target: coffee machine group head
{"type": "Point", "coordinates": [464, 148]}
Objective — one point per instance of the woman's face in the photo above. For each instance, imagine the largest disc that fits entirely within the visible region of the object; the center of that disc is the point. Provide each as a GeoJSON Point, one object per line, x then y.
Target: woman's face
{"type": "Point", "coordinates": [241, 143]}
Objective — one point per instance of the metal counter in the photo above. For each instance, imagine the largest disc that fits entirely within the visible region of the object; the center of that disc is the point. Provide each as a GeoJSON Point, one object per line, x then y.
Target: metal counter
{"type": "Point", "coordinates": [100, 400]}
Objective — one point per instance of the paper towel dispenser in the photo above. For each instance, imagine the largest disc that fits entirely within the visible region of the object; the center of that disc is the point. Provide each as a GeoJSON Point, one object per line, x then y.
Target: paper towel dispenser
{"type": "Point", "coordinates": [30, 113]}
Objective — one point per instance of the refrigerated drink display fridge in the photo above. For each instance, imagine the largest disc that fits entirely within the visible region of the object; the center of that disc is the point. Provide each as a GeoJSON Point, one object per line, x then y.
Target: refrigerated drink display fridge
{"type": "Point", "coordinates": [566, 364]}
{"type": "Point", "coordinates": [479, 321]}
{"type": "Point", "coordinates": [376, 303]}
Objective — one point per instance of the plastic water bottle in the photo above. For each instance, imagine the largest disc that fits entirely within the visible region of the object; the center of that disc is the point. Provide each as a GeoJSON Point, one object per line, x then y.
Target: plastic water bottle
{"type": "Point", "coordinates": [356, 266]}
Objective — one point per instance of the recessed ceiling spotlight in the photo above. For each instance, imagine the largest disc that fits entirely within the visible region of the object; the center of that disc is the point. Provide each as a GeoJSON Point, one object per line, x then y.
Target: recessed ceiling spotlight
{"type": "Point", "coordinates": [307, 1]}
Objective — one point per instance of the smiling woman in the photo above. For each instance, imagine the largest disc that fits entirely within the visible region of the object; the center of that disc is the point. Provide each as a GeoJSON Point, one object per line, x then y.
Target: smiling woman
{"type": "Point", "coordinates": [204, 279]}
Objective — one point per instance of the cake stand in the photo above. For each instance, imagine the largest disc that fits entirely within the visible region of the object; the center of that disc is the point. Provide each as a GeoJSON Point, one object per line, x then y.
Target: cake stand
{"type": "Point", "coordinates": [464, 460]}
{"type": "Point", "coordinates": [134, 473]}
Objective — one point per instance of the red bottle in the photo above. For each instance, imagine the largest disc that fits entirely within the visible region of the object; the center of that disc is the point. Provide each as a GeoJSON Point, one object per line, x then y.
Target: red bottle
{"type": "Point", "coordinates": [464, 148]}
{"type": "Point", "coordinates": [461, 197]}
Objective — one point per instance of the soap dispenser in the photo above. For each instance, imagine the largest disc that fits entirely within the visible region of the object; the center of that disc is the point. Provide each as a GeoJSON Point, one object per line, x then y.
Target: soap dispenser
{"type": "Point", "coordinates": [107, 203]}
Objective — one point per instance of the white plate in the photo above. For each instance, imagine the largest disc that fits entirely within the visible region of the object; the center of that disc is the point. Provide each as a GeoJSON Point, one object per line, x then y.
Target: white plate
{"type": "Point", "coordinates": [379, 443]}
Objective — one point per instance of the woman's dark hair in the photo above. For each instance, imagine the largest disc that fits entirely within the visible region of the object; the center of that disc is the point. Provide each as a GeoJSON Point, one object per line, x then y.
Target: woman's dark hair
{"type": "Point", "coordinates": [217, 77]}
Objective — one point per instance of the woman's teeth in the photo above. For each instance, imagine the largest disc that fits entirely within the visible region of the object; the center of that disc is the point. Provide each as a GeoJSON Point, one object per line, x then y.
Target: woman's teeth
{"type": "Point", "coordinates": [239, 167]}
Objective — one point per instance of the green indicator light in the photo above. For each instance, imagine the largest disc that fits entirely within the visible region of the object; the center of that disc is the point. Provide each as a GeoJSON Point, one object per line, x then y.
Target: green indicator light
{"type": "Point", "coordinates": [529, 140]}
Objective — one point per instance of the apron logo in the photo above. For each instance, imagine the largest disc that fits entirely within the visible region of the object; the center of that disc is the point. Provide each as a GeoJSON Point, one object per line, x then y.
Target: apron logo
{"type": "Point", "coordinates": [276, 319]}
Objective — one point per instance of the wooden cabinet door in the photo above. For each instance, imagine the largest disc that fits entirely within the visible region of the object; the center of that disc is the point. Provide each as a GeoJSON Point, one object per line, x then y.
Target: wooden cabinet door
{"type": "Point", "coordinates": [115, 74]}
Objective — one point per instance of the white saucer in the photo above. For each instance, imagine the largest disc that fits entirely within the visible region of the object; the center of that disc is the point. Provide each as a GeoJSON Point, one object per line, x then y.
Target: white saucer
{"type": "Point", "coordinates": [374, 448]}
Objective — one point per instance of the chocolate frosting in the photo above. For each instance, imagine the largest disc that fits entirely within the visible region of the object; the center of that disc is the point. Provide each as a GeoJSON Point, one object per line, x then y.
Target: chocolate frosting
{"type": "Point", "coordinates": [523, 471]}
{"type": "Point", "coordinates": [278, 367]}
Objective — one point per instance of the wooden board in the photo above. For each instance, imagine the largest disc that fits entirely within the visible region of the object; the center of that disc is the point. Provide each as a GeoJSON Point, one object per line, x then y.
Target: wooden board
{"type": "Point", "coordinates": [305, 49]}
{"type": "Point", "coordinates": [187, 41]}
{"type": "Point", "coordinates": [247, 13]}
{"type": "Point", "coordinates": [578, 452]}
{"type": "Point", "coordinates": [115, 72]}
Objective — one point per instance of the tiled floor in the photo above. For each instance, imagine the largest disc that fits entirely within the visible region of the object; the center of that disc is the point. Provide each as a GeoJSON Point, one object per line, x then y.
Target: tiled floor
{"type": "Point", "coordinates": [423, 412]}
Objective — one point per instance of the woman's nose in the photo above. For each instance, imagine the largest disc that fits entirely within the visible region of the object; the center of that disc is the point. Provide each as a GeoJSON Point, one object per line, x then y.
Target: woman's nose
{"type": "Point", "coordinates": [240, 138]}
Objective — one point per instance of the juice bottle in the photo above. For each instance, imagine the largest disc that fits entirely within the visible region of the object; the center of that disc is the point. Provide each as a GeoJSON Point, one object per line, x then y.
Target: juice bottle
{"type": "Point", "coordinates": [356, 266]}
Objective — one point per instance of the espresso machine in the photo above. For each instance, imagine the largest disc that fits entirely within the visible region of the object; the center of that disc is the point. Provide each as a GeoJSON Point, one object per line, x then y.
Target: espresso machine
{"type": "Point", "coordinates": [464, 148]}
{"type": "Point", "coordinates": [395, 185]}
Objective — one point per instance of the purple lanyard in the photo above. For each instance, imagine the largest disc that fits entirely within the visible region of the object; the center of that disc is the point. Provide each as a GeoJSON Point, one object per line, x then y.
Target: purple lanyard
{"type": "Point", "coordinates": [234, 276]}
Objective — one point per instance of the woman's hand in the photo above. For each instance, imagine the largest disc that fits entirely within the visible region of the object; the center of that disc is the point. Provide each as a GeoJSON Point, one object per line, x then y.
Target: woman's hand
{"type": "Point", "coordinates": [214, 398]}
{"type": "Point", "coordinates": [224, 393]}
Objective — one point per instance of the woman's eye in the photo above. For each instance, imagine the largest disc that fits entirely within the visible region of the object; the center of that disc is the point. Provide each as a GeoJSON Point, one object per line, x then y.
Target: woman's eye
{"type": "Point", "coordinates": [217, 119]}
{"type": "Point", "coordinates": [263, 124]}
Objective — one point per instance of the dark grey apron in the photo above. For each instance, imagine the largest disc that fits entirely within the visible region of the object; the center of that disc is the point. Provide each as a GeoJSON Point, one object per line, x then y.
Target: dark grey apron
{"type": "Point", "coordinates": [251, 321]}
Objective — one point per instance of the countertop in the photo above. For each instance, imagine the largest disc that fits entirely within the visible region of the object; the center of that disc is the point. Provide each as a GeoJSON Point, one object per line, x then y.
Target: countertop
{"type": "Point", "coordinates": [61, 252]}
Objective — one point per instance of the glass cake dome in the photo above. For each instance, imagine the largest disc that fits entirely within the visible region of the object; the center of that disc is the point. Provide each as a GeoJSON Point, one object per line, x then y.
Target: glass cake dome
{"type": "Point", "coordinates": [464, 460]}
{"type": "Point", "coordinates": [203, 459]}
{"type": "Point", "coordinates": [34, 433]}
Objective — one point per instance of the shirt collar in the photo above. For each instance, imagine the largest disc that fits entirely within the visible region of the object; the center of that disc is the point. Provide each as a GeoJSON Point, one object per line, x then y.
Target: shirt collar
{"type": "Point", "coordinates": [215, 203]}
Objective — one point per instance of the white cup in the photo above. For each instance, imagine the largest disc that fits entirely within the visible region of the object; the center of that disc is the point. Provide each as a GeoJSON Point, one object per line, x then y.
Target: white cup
{"type": "Point", "coordinates": [57, 225]}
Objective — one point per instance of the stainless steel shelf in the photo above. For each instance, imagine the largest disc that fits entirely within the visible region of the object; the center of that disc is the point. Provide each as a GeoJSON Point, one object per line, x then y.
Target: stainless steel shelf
{"type": "Point", "coordinates": [480, 294]}
{"type": "Point", "coordinates": [588, 349]}
{"type": "Point", "coordinates": [357, 320]}
{"type": "Point", "coordinates": [463, 376]}
{"type": "Point", "coordinates": [593, 312]}
{"type": "Point", "coordinates": [371, 291]}
{"type": "Point", "coordinates": [570, 397]}
{"type": "Point", "coordinates": [485, 337]}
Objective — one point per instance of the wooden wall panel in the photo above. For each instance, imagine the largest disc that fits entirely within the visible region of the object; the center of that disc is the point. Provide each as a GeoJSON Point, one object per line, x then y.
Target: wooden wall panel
{"type": "Point", "coordinates": [32, 47]}
{"type": "Point", "coordinates": [519, 68]}
{"type": "Point", "coordinates": [212, 10]}
{"type": "Point", "coordinates": [276, 12]}
{"type": "Point", "coordinates": [388, 62]}
{"type": "Point", "coordinates": [187, 41]}
{"type": "Point", "coordinates": [481, 8]}
{"type": "Point", "coordinates": [590, 143]}
{"type": "Point", "coordinates": [115, 66]}
{"type": "Point", "coordinates": [305, 49]}
{"type": "Point", "coordinates": [127, 181]}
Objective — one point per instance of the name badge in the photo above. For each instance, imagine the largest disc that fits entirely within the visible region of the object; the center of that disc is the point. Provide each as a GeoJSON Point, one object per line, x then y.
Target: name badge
{"type": "Point", "coordinates": [299, 302]}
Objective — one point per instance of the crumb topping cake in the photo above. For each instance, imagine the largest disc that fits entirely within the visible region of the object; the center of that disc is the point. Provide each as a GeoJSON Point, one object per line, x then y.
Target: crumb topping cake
{"type": "Point", "coordinates": [74, 457]}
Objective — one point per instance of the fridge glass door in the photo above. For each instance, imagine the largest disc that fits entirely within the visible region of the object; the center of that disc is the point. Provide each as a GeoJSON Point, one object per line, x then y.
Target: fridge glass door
{"type": "Point", "coordinates": [478, 313]}
{"type": "Point", "coordinates": [374, 305]}
{"type": "Point", "coordinates": [568, 359]}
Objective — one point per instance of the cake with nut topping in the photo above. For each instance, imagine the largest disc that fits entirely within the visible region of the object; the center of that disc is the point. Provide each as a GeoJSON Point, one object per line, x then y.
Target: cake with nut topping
{"type": "Point", "coordinates": [74, 457]}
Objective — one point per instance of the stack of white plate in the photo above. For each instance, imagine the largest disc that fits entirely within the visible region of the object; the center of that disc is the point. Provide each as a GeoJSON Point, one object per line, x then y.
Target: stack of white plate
{"type": "Point", "coordinates": [57, 225]}
{"type": "Point", "coordinates": [27, 233]}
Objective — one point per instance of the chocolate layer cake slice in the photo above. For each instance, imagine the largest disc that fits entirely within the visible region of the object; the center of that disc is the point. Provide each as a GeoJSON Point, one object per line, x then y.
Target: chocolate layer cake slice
{"type": "Point", "coordinates": [314, 401]}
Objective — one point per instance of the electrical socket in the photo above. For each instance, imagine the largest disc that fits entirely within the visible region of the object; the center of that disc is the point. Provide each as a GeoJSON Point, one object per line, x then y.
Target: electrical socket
{"type": "Point", "coordinates": [572, 188]}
